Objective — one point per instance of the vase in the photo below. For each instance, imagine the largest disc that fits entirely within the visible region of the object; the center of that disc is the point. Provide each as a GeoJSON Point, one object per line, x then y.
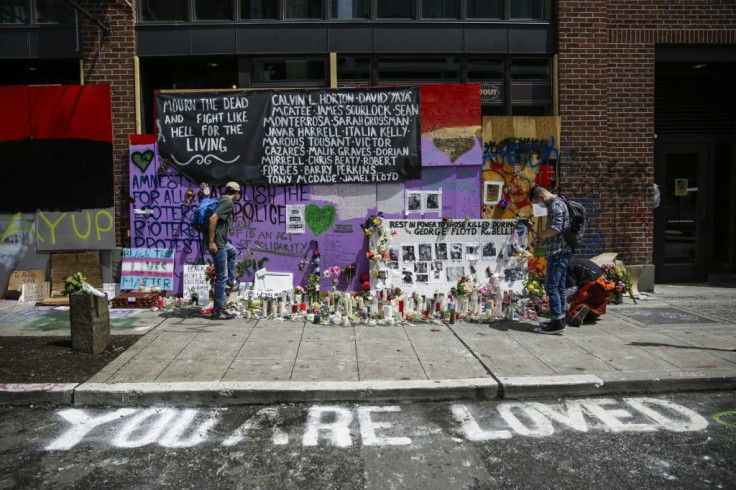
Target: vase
{"type": "Point", "coordinates": [617, 297]}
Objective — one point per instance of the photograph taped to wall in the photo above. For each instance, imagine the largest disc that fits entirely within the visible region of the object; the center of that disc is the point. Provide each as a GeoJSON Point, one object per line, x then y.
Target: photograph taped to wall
{"type": "Point", "coordinates": [471, 251]}
{"type": "Point", "coordinates": [425, 251]}
{"type": "Point", "coordinates": [408, 254]}
{"type": "Point", "coordinates": [440, 251]}
{"type": "Point", "coordinates": [392, 264]}
{"type": "Point", "coordinates": [413, 202]}
{"type": "Point", "coordinates": [433, 202]}
{"type": "Point", "coordinates": [437, 269]}
{"type": "Point", "coordinates": [492, 192]}
{"type": "Point", "coordinates": [407, 276]}
{"type": "Point", "coordinates": [489, 250]}
{"type": "Point", "coordinates": [393, 253]}
{"type": "Point", "coordinates": [420, 267]}
{"type": "Point", "coordinates": [455, 272]}
{"type": "Point", "coordinates": [456, 251]}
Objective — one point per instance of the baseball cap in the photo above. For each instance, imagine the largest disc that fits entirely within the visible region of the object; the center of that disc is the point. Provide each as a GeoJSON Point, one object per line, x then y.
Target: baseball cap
{"type": "Point", "coordinates": [233, 185]}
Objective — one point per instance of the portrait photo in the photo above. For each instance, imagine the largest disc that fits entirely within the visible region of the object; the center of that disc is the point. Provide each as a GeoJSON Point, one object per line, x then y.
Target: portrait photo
{"type": "Point", "coordinates": [440, 251]}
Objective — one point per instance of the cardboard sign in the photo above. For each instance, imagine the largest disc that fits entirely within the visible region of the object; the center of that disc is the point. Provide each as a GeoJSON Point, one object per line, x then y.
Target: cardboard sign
{"type": "Point", "coordinates": [18, 278]}
{"type": "Point", "coordinates": [194, 280]}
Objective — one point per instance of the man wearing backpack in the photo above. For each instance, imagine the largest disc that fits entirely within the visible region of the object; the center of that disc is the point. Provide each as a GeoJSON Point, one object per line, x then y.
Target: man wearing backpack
{"type": "Point", "coordinates": [223, 253]}
{"type": "Point", "coordinates": [558, 254]}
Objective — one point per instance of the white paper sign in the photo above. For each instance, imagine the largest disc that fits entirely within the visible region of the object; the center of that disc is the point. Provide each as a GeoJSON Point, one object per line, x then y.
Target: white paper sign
{"type": "Point", "coordinates": [194, 279]}
{"type": "Point", "coordinates": [272, 283]}
{"type": "Point", "coordinates": [31, 292]}
{"type": "Point", "coordinates": [295, 222]}
{"type": "Point", "coordinates": [112, 289]}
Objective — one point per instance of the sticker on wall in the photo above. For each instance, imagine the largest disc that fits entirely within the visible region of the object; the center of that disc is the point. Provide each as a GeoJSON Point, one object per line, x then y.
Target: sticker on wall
{"type": "Point", "coordinates": [492, 192]}
{"type": "Point", "coordinates": [319, 219]}
{"type": "Point", "coordinates": [681, 187]}
{"type": "Point", "coordinates": [295, 219]}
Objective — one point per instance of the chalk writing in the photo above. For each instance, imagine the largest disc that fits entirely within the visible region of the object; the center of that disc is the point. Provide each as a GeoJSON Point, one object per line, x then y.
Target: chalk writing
{"type": "Point", "coordinates": [340, 426]}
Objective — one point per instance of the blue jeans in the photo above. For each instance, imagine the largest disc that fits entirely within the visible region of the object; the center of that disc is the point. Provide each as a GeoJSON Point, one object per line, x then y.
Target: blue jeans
{"type": "Point", "coordinates": [224, 262]}
{"type": "Point", "coordinates": [554, 283]}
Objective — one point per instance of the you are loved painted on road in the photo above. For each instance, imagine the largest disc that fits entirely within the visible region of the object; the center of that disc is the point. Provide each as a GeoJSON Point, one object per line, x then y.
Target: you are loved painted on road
{"type": "Point", "coordinates": [341, 426]}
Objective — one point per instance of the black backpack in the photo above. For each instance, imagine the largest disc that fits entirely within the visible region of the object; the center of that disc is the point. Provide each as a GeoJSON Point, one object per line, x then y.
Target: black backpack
{"type": "Point", "coordinates": [574, 233]}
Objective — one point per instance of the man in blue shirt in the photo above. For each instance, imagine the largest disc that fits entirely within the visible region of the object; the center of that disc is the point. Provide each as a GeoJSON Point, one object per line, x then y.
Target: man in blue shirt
{"type": "Point", "coordinates": [558, 255]}
{"type": "Point", "coordinates": [223, 253]}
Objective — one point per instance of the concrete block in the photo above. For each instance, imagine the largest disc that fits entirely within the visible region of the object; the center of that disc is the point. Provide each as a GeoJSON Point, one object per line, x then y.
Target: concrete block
{"type": "Point", "coordinates": [89, 317]}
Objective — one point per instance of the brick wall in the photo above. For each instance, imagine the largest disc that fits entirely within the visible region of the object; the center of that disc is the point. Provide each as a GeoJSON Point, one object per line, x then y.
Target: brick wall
{"type": "Point", "coordinates": [606, 76]}
{"type": "Point", "coordinates": [112, 63]}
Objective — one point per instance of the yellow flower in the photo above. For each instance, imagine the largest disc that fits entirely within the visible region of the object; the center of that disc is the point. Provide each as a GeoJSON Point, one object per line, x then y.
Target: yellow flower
{"type": "Point", "coordinates": [375, 273]}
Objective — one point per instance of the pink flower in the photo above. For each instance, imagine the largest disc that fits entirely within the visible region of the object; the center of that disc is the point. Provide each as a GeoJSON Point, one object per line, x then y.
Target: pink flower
{"type": "Point", "coordinates": [335, 270]}
{"type": "Point", "coordinates": [366, 286]}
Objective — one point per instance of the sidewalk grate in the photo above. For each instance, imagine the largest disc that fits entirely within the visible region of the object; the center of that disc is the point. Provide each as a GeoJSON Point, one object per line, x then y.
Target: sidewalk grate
{"type": "Point", "coordinates": [661, 316]}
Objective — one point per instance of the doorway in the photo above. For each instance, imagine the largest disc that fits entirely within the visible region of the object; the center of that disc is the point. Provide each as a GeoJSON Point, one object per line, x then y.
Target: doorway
{"type": "Point", "coordinates": [681, 220]}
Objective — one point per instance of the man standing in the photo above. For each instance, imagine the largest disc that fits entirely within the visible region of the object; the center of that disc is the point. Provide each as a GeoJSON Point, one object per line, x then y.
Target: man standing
{"type": "Point", "coordinates": [558, 255]}
{"type": "Point", "coordinates": [223, 253]}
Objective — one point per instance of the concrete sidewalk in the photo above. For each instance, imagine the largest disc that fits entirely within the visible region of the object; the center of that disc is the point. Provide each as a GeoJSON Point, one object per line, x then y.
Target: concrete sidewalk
{"type": "Point", "coordinates": [684, 339]}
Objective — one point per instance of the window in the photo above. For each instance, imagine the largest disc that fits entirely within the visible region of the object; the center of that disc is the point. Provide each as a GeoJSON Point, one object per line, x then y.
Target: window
{"type": "Point", "coordinates": [530, 69]}
{"type": "Point", "coordinates": [14, 12]}
{"type": "Point", "coordinates": [304, 9]}
{"type": "Point", "coordinates": [482, 69]}
{"type": "Point", "coordinates": [484, 9]}
{"type": "Point", "coordinates": [163, 10]}
{"type": "Point", "coordinates": [213, 10]}
{"type": "Point", "coordinates": [418, 69]}
{"type": "Point", "coordinates": [530, 9]}
{"type": "Point", "coordinates": [53, 12]}
{"type": "Point", "coordinates": [259, 9]}
{"type": "Point", "coordinates": [351, 9]}
{"type": "Point", "coordinates": [440, 9]}
{"type": "Point", "coordinates": [352, 69]}
{"type": "Point", "coordinates": [395, 9]}
{"type": "Point", "coordinates": [283, 69]}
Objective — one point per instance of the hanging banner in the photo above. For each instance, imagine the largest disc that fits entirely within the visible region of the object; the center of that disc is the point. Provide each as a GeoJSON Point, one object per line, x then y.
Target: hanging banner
{"type": "Point", "coordinates": [292, 136]}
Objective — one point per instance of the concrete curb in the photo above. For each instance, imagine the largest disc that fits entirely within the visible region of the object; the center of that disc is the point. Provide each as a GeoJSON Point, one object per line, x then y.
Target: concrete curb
{"type": "Point", "coordinates": [37, 393]}
{"type": "Point", "coordinates": [261, 392]}
{"type": "Point", "coordinates": [515, 387]}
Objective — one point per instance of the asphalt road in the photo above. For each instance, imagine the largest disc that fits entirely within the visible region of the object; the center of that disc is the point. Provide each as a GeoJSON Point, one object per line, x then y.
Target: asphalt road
{"type": "Point", "coordinates": [676, 441]}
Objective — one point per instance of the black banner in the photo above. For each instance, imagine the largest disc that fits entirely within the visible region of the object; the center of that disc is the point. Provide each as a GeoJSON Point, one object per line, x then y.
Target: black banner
{"type": "Point", "coordinates": [292, 136]}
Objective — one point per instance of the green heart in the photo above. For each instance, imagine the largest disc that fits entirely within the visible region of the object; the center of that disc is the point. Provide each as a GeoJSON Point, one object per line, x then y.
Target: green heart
{"type": "Point", "coordinates": [319, 219]}
{"type": "Point", "coordinates": [142, 160]}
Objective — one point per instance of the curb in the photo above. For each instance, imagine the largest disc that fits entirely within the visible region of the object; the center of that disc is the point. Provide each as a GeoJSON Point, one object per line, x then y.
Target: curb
{"type": "Point", "coordinates": [515, 387]}
{"type": "Point", "coordinates": [262, 392]}
{"type": "Point", "coordinates": [37, 393]}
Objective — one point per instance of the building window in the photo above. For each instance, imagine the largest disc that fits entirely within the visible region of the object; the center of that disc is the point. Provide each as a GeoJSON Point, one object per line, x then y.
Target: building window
{"type": "Point", "coordinates": [395, 9]}
{"type": "Point", "coordinates": [530, 9]}
{"type": "Point", "coordinates": [304, 9]}
{"type": "Point", "coordinates": [430, 69]}
{"type": "Point", "coordinates": [440, 9]}
{"type": "Point", "coordinates": [213, 10]}
{"type": "Point", "coordinates": [14, 12]}
{"type": "Point", "coordinates": [484, 9]}
{"type": "Point", "coordinates": [354, 69]}
{"type": "Point", "coordinates": [283, 69]}
{"type": "Point", "coordinates": [351, 9]}
{"type": "Point", "coordinates": [163, 10]}
{"type": "Point", "coordinates": [485, 69]}
{"type": "Point", "coordinates": [530, 69]}
{"type": "Point", "coordinates": [259, 9]}
{"type": "Point", "coordinates": [531, 87]}
{"type": "Point", "coordinates": [53, 12]}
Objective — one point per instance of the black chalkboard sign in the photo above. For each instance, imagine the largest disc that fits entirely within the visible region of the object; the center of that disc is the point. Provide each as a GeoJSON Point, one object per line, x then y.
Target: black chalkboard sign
{"type": "Point", "coordinates": [292, 136]}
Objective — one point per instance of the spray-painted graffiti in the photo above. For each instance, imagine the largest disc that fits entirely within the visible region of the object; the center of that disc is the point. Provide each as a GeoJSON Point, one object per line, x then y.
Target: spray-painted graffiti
{"type": "Point", "coordinates": [344, 427]}
{"type": "Point", "coordinates": [520, 152]}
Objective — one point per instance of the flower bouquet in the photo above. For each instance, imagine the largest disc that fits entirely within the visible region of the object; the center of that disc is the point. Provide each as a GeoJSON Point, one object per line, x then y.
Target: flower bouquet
{"type": "Point", "coordinates": [617, 273]}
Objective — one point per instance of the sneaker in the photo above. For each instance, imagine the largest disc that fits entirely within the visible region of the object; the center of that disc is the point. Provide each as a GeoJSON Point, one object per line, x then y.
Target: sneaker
{"type": "Point", "coordinates": [578, 319]}
{"type": "Point", "coordinates": [542, 325]}
{"type": "Point", "coordinates": [232, 288]}
{"type": "Point", "coordinates": [555, 326]}
{"type": "Point", "coordinates": [222, 315]}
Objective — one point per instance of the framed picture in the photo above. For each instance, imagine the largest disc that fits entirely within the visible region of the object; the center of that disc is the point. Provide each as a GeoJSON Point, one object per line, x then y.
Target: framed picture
{"type": "Point", "coordinates": [492, 192]}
